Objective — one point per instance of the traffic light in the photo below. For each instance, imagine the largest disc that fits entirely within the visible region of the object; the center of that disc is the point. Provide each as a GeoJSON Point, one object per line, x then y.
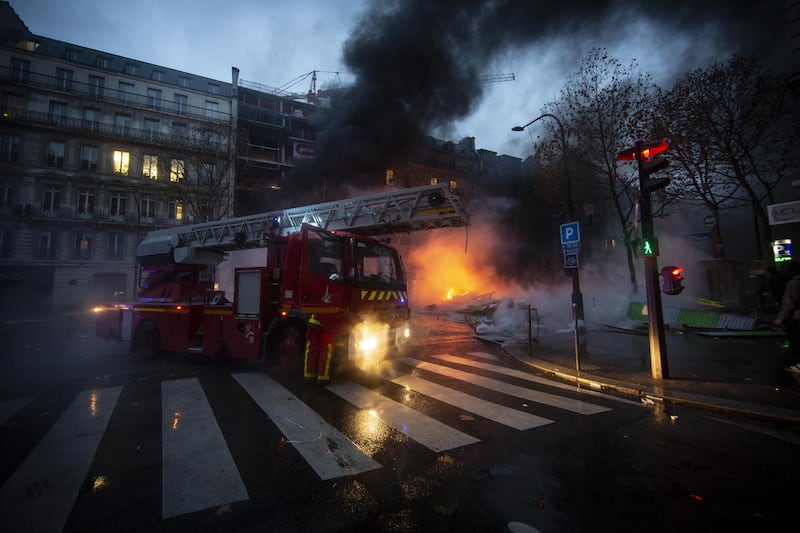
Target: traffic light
{"type": "Point", "coordinates": [671, 279]}
{"type": "Point", "coordinates": [648, 247]}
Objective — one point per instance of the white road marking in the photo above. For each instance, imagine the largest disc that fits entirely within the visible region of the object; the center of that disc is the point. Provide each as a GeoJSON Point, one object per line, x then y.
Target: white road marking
{"type": "Point", "coordinates": [40, 493]}
{"type": "Point", "coordinates": [553, 400]}
{"type": "Point", "coordinates": [519, 374]}
{"type": "Point", "coordinates": [197, 466]}
{"type": "Point", "coordinates": [330, 453]}
{"type": "Point", "coordinates": [497, 413]}
{"type": "Point", "coordinates": [430, 433]}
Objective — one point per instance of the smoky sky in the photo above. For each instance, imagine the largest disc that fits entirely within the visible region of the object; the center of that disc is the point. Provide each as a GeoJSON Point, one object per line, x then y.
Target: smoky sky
{"type": "Point", "coordinates": [417, 63]}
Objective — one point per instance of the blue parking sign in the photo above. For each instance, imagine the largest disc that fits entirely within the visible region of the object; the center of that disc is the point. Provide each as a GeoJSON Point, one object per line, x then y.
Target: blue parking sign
{"type": "Point", "coordinates": [570, 233]}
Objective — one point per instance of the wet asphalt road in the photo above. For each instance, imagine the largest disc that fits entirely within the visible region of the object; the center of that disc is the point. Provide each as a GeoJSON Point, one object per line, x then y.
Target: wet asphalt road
{"type": "Point", "coordinates": [618, 466]}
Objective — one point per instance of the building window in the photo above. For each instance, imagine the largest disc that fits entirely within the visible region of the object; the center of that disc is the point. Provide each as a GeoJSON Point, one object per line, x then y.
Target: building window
{"type": "Point", "coordinates": [102, 62]}
{"type": "Point", "coordinates": [46, 248]}
{"type": "Point", "coordinates": [58, 113]}
{"type": "Point", "coordinates": [122, 123]}
{"type": "Point", "coordinates": [64, 79]}
{"type": "Point", "coordinates": [180, 131]}
{"type": "Point", "coordinates": [130, 69]}
{"type": "Point", "coordinates": [51, 198]}
{"type": "Point", "coordinates": [213, 88]}
{"type": "Point", "coordinates": [154, 98]}
{"type": "Point", "coordinates": [96, 86]}
{"type": "Point", "coordinates": [117, 206]}
{"type": "Point", "coordinates": [205, 173]}
{"type": "Point", "coordinates": [82, 246]}
{"type": "Point", "coordinates": [6, 194]}
{"type": "Point", "coordinates": [389, 177]}
{"type": "Point", "coordinates": [176, 210]}
{"type": "Point", "coordinates": [157, 75]}
{"type": "Point", "coordinates": [126, 92]}
{"type": "Point", "coordinates": [91, 118]}
{"type": "Point", "coordinates": [55, 154]}
{"type": "Point", "coordinates": [89, 157]}
{"type": "Point", "coordinates": [20, 70]}
{"type": "Point", "coordinates": [121, 162]}
{"type": "Point", "coordinates": [181, 104]}
{"type": "Point", "coordinates": [9, 147]}
{"type": "Point", "coordinates": [176, 170]}
{"type": "Point", "coordinates": [85, 200]}
{"type": "Point", "coordinates": [73, 55]}
{"type": "Point", "coordinates": [13, 104]}
{"type": "Point", "coordinates": [152, 127]}
{"type": "Point", "coordinates": [183, 81]}
{"type": "Point", "coordinates": [150, 166]}
{"type": "Point", "coordinates": [116, 249]}
{"type": "Point", "coordinates": [147, 207]}
{"type": "Point", "coordinates": [212, 109]}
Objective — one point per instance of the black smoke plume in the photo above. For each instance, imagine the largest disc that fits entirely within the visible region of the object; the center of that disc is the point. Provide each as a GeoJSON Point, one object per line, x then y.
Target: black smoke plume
{"type": "Point", "coordinates": [418, 63]}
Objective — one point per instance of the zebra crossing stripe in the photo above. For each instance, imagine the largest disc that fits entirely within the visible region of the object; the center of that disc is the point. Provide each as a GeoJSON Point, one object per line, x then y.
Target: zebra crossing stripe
{"type": "Point", "coordinates": [498, 413]}
{"type": "Point", "coordinates": [40, 493]}
{"type": "Point", "coordinates": [9, 408]}
{"type": "Point", "coordinates": [514, 373]}
{"type": "Point", "coordinates": [554, 400]}
{"type": "Point", "coordinates": [429, 432]}
{"type": "Point", "coordinates": [329, 453]}
{"type": "Point", "coordinates": [484, 355]}
{"type": "Point", "coordinates": [198, 471]}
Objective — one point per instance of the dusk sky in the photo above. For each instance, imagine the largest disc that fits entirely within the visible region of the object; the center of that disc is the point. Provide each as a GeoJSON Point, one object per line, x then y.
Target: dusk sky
{"type": "Point", "coordinates": [273, 43]}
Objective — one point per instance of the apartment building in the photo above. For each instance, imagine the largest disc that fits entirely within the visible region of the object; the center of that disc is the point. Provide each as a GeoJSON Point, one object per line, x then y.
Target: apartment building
{"type": "Point", "coordinates": [95, 151]}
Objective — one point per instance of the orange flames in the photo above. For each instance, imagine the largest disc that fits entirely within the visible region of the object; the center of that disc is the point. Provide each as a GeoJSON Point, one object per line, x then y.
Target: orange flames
{"type": "Point", "coordinates": [441, 270]}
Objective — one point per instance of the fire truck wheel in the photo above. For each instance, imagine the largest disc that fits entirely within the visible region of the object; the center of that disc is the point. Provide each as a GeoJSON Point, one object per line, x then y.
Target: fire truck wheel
{"type": "Point", "coordinates": [290, 351]}
{"type": "Point", "coordinates": [146, 341]}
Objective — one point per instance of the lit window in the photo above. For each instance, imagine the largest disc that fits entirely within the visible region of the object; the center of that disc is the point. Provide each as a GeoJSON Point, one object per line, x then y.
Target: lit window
{"type": "Point", "coordinates": [122, 161]}
{"type": "Point", "coordinates": [434, 181]}
{"type": "Point", "coordinates": [176, 170]}
{"type": "Point", "coordinates": [150, 168]}
{"type": "Point", "coordinates": [176, 210]}
{"type": "Point", "coordinates": [389, 177]}
{"type": "Point", "coordinates": [82, 245]}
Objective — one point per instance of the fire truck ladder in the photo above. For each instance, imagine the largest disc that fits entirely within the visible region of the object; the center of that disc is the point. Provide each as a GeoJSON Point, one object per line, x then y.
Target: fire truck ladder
{"type": "Point", "coordinates": [404, 210]}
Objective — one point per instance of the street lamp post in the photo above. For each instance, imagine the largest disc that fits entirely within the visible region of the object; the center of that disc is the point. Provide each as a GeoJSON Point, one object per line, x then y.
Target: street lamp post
{"type": "Point", "coordinates": [577, 297]}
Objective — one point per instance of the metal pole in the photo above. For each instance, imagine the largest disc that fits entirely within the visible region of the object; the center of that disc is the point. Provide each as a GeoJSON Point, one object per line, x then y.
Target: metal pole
{"type": "Point", "coordinates": [577, 297]}
{"type": "Point", "coordinates": [659, 367]}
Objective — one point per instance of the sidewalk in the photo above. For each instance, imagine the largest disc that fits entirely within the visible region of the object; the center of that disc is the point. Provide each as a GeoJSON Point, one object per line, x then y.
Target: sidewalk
{"type": "Point", "coordinates": [740, 376]}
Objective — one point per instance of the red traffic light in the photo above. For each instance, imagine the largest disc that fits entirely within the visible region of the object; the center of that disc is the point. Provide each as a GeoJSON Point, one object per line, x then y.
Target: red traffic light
{"type": "Point", "coordinates": [648, 150]}
{"type": "Point", "coordinates": [671, 279]}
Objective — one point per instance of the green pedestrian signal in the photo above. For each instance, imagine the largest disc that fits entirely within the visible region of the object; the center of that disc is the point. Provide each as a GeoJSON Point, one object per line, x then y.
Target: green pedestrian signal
{"type": "Point", "coordinates": [646, 247]}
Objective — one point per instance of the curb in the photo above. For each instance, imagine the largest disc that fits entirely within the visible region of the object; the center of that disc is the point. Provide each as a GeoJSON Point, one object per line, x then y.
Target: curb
{"type": "Point", "coordinates": [647, 395]}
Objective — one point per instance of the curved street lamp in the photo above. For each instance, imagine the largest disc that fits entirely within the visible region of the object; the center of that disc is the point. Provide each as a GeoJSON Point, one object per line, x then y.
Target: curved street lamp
{"type": "Point", "coordinates": [577, 297]}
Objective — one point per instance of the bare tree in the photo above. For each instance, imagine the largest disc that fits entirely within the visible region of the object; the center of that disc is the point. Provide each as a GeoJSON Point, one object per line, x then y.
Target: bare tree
{"type": "Point", "coordinates": [202, 168]}
{"type": "Point", "coordinates": [601, 107]}
{"type": "Point", "coordinates": [734, 129]}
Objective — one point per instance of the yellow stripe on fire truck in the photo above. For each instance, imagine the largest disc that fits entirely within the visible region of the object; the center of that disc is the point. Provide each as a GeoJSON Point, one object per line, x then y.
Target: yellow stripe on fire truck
{"type": "Point", "coordinates": [384, 295]}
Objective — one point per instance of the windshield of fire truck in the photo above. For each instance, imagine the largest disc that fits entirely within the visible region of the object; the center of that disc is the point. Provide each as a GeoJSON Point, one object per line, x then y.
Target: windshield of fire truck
{"type": "Point", "coordinates": [377, 263]}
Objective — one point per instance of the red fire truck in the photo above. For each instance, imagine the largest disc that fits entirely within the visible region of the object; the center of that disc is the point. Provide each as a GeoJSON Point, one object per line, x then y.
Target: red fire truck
{"type": "Point", "coordinates": [321, 260]}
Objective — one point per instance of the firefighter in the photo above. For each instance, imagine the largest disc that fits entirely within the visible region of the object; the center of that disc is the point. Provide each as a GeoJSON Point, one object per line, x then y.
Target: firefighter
{"type": "Point", "coordinates": [319, 352]}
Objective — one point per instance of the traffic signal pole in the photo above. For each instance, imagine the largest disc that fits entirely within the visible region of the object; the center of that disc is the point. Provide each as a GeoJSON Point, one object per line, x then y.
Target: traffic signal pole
{"type": "Point", "coordinates": [659, 367]}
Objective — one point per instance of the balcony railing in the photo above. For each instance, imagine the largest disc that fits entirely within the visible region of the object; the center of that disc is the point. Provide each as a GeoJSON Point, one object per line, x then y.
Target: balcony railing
{"type": "Point", "coordinates": [196, 140]}
{"type": "Point", "coordinates": [108, 94]}
{"type": "Point", "coordinates": [65, 213]}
